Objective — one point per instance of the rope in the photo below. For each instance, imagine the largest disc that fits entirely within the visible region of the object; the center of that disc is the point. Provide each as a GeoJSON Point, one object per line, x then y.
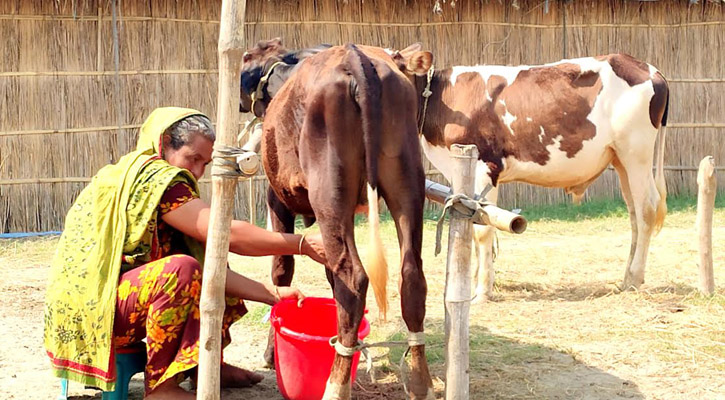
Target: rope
{"type": "Point", "coordinates": [262, 82]}
{"type": "Point", "coordinates": [426, 95]}
{"type": "Point", "coordinates": [466, 206]}
{"type": "Point", "coordinates": [226, 162]}
{"type": "Point", "coordinates": [414, 339]}
{"type": "Point", "coordinates": [248, 130]}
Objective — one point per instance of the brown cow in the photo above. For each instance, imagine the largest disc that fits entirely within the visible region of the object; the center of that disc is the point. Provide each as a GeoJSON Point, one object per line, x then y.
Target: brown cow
{"type": "Point", "coordinates": [557, 125]}
{"type": "Point", "coordinates": [344, 115]}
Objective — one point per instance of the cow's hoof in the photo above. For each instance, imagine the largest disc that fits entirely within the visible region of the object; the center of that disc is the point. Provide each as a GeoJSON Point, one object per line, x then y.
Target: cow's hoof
{"type": "Point", "coordinates": [335, 391]}
{"type": "Point", "coordinates": [631, 283]}
{"type": "Point", "coordinates": [430, 395]}
{"type": "Point", "coordinates": [483, 297]}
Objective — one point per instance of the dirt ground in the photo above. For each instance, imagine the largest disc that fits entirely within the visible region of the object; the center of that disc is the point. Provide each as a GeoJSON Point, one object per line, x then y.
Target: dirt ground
{"type": "Point", "coordinates": [558, 328]}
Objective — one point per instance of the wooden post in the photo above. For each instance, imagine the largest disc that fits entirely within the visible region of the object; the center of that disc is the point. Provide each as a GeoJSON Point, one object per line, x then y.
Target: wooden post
{"type": "Point", "coordinates": [707, 188]}
{"type": "Point", "coordinates": [458, 278]}
{"type": "Point", "coordinates": [231, 42]}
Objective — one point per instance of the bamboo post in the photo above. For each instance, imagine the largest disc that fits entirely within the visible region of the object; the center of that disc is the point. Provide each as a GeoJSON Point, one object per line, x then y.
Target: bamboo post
{"type": "Point", "coordinates": [230, 50]}
{"type": "Point", "coordinates": [458, 278]}
{"type": "Point", "coordinates": [707, 188]}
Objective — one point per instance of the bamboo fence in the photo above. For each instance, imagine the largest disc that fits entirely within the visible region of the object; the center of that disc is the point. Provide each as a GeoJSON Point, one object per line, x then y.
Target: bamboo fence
{"type": "Point", "coordinates": [78, 77]}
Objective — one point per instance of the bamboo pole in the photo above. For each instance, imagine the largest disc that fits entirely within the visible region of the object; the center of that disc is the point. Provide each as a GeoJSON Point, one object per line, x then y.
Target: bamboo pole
{"type": "Point", "coordinates": [458, 278]}
{"type": "Point", "coordinates": [707, 189]}
{"type": "Point", "coordinates": [230, 50]}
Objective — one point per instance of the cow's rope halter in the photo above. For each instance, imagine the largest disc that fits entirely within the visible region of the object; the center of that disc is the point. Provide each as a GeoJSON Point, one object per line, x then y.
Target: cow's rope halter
{"type": "Point", "coordinates": [229, 161]}
{"type": "Point", "coordinates": [426, 95]}
{"type": "Point", "coordinates": [259, 92]}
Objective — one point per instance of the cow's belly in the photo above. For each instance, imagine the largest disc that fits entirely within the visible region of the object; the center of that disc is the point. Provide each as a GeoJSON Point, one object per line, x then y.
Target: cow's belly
{"type": "Point", "coordinates": [560, 170]}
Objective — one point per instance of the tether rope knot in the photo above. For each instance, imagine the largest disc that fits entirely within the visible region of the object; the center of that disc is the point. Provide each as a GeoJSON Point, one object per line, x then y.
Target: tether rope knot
{"type": "Point", "coordinates": [233, 162]}
{"type": "Point", "coordinates": [467, 208]}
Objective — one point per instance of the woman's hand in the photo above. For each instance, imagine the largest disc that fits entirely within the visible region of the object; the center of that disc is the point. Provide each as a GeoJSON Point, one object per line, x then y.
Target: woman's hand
{"type": "Point", "coordinates": [312, 247]}
{"type": "Point", "coordinates": [286, 292]}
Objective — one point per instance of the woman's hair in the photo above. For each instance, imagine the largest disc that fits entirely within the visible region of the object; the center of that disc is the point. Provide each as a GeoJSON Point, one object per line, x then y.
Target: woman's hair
{"type": "Point", "coordinates": [185, 130]}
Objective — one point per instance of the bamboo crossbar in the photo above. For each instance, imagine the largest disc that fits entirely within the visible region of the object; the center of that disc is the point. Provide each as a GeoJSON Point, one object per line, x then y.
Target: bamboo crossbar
{"type": "Point", "coordinates": [135, 126]}
{"type": "Point", "coordinates": [696, 80]}
{"type": "Point", "coordinates": [69, 130]}
{"type": "Point", "coordinates": [15, 74]}
{"type": "Point", "coordinates": [485, 23]}
{"type": "Point", "coordinates": [89, 18]}
{"type": "Point", "coordinates": [108, 73]}
{"type": "Point", "coordinates": [81, 179]}
{"type": "Point", "coordinates": [256, 178]}
{"type": "Point", "coordinates": [105, 18]}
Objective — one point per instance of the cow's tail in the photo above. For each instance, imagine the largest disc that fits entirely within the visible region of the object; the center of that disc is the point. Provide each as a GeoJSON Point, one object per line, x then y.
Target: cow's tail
{"type": "Point", "coordinates": [367, 91]}
{"type": "Point", "coordinates": [662, 90]}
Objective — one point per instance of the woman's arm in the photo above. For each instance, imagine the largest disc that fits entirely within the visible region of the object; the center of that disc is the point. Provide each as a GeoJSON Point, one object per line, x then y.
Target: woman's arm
{"type": "Point", "coordinates": [192, 219]}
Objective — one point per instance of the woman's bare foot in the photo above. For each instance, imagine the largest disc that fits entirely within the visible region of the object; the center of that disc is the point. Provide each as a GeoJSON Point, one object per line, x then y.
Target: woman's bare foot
{"type": "Point", "coordinates": [169, 390]}
{"type": "Point", "coordinates": [235, 377]}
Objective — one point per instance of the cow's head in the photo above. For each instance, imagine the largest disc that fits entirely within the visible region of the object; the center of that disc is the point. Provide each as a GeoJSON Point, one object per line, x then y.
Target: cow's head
{"type": "Point", "coordinates": [256, 63]}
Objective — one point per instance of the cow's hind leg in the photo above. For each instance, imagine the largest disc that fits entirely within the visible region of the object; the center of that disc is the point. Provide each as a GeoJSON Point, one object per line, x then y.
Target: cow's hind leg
{"type": "Point", "coordinates": [483, 237]}
{"type": "Point", "coordinates": [645, 199]}
{"type": "Point", "coordinates": [350, 289]}
{"type": "Point", "coordinates": [403, 189]}
{"type": "Point", "coordinates": [627, 196]}
{"type": "Point", "coordinates": [330, 155]}
{"type": "Point", "coordinates": [283, 267]}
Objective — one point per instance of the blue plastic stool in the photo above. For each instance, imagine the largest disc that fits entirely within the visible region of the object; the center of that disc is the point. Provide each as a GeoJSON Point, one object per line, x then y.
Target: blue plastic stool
{"type": "Point", "coordinates": [129, 361]}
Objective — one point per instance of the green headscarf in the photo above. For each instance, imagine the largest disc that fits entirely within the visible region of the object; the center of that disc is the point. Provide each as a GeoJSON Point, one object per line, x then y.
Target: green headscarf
{"type": "Point", "coordinates": [113, 217]}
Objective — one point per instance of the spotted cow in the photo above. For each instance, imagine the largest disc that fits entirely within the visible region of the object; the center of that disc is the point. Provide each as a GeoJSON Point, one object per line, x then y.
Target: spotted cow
{"type": "Point", "coordinates": [558, 125]}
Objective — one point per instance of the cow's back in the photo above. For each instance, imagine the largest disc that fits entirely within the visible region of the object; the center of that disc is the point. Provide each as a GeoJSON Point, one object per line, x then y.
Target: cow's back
{"type": "Point", "coordinates": [301, 101]}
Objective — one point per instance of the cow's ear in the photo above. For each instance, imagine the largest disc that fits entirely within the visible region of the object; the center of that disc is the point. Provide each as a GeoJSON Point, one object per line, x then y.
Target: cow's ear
{"type": "Point", "coordinates": [276, 42]}
{"type": "Point", "coordinates": [409, 51]}
{"type": "Point", "coordinates": [420, 62]}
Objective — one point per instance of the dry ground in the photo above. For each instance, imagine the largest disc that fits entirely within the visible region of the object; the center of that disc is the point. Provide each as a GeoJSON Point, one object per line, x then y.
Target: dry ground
{"type": "Point", "coordinates": [557, 330]}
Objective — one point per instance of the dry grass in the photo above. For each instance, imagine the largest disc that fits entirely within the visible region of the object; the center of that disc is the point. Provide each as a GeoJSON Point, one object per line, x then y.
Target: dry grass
{"type": "Point", "coordinates": [559, 328]}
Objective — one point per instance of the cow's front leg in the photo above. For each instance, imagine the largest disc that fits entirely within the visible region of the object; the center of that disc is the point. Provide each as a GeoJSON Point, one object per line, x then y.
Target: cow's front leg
{"type": "Point", "coordinates": [280, 219]}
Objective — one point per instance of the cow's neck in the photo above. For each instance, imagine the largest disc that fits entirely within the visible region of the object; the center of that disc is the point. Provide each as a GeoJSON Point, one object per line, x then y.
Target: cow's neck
{"type": "Point", "coordinates": [436, 111]}
{"type": "Point", "coordinates": [285, 66]}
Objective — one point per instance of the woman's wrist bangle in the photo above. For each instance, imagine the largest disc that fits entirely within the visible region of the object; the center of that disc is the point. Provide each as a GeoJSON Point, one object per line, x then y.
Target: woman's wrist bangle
{"type": "Point", "coordinates": [299, 247]}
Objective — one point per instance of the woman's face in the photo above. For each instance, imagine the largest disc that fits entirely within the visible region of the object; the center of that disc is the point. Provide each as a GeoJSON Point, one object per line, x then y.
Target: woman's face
{"type": "Point", "coordinates": [194, 156]}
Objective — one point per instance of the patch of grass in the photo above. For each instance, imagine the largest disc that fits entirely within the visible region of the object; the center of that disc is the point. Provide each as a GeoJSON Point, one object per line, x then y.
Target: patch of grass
{"type": "Point", "coordinates": [487, 350]}
{"type": "Point", "coordinates": [28, 251]}
{"type": "Point", "coordinates": [256, 315]}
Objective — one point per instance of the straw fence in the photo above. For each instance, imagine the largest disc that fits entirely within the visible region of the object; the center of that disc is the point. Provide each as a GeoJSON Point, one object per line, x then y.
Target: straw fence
{"type": "Point", "coordinates": [78, 77]}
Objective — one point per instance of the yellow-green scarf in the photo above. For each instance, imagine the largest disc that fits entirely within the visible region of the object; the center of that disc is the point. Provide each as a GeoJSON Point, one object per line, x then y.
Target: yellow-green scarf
{"type": "Point", "coordinates": [114, 215]}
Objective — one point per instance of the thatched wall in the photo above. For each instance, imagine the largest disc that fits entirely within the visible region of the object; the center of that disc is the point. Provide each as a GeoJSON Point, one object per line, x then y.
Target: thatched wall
{"type": "Point", "coordinates": [66, 85]}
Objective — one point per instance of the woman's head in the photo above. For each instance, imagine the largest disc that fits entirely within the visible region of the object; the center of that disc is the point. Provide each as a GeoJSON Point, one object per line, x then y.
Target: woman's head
{"type": "Point", "coordinates": [189, 143]}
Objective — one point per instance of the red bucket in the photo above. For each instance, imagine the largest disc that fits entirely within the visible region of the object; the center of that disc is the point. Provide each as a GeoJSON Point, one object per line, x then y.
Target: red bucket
{"type": "Point", "coordinates": [302, 352]}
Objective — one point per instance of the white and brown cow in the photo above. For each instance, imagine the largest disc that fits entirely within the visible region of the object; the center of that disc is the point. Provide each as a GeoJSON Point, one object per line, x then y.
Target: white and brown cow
{"type": "Point", "coordinates": [557, 125]}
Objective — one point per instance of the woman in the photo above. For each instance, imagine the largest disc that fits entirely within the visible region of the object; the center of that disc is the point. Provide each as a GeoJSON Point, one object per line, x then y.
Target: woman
{"type": "Point", "coordinates": [128, 265]}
